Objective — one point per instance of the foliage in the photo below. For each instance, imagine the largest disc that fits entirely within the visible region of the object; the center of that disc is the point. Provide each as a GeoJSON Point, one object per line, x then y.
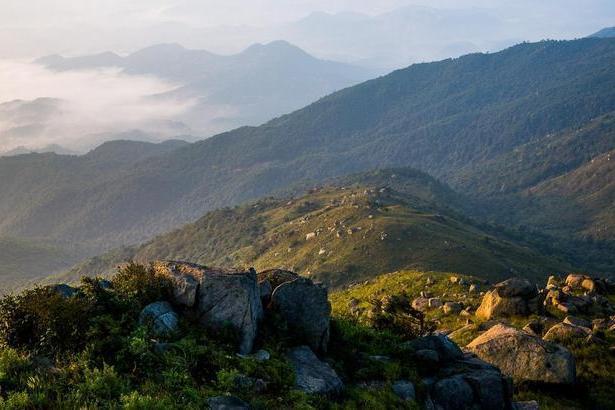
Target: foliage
{"type": "Point", "coordinates": [88, 351]}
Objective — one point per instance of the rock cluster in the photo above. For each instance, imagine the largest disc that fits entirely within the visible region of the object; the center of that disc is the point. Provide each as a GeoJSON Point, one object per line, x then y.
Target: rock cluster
{"type": "Point", "coordinates": [579, 294]}
{"type": "Point", "coordinates": [523, 356]}
{"type": "Point", "coordinates": [222, 297]}
{"type": "Point", "coordinates": [512, 297]}
{"type": "Point", "coordinates": [454, 380]}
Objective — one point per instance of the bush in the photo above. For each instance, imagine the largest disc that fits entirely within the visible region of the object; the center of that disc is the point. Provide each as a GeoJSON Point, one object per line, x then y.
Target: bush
{"type": "Point", "coordinates": [141, 285]}
{"type": "Point", "coordinates": [42, 321]}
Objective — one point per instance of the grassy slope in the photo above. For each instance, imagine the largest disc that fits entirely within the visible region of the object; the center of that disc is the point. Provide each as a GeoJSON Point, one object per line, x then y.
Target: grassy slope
{"type": "Point", "coordinates": [21, 261]}
{"type": "Point", "coordinates": [562, 183]}
{"type": "Point", "coordinates": [390, 231]}
{"type": "Point", "coordinates": [595, 363]}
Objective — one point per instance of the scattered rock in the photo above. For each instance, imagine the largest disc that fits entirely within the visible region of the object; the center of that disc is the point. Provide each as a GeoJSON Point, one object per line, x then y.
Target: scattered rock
{"type": "Point", "coordinates": [305, 307]}
{"type": "Point", "coordinates": [312, 375]}
{"type": "Point", "coordinates": [534, 328]}
{"type": "Point", "coordinates": [404, 390]}
{"type": "Point", "coordinates": [473, 288]}
{"type": "Point", "coordinates": [227, 403]}
{"type": "Point", "coordinates": [434, 303]}
{"type": "Point", "coordinates": [523, 356]}
{"type": "Point", "coordinates": [564, 331]}
{"type": "Point", "coordinates": [446, 349]}
{"type": "Point", "coordinates": [509, 298]}
{"type": "Point", "coordinates": [452, 308]}
{"type": "Point", "coordinates": [421, 304]}
{"type": "Point", "coordinates": [262, 356]}
{"type": "Point", "coordinates": [161, 316]}
{"type": "Point", "coordinates": [231, 298]}
{"type": "Point", "coordinates": [577, 321]}
{"type": "Point", "coordinates": [526, 405]}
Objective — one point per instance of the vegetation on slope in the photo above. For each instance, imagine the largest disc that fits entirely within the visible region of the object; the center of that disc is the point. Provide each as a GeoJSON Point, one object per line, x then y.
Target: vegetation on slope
{"type": "Point", "coordinates": [595, 362]}
{"type": "Point", "coordinates": [342, 234]}
{"type": "Point", "coordinates": [436, 117]}
{"type": "Point", "coordinates": [23, 260]}
{"type": "Point", "coordinates": [89, 351]}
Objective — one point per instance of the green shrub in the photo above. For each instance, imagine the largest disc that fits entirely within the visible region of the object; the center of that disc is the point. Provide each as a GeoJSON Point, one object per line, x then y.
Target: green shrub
{"type": "Point", "coordinates": [140, 284]}
{"type": "Point", "coordinates": [42, 321]}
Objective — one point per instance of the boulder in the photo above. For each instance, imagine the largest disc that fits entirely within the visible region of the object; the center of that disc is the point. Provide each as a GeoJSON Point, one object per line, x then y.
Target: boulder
{"type": "Point", "coordinates": [227, 403]}
{"type": "Point", "coordinates": [184, 278]}
{"type": "Point", "coordinates": [523, 356]}
{"type": "Point", "coordinates": [526, 405]}
{"type": "Point", "coordinates": [452, 308]}
{"type": "Point", "coordinates": [404, 390]}
{"type": "Point", "coordinates": [452, 393]}
{"type": "Point", "coordinates": [305, 307]}
{"type": "Point", "coordinates": [534, 328]}
{"type": "Point", "coordinates": [231, 298]}
{"type": "Point", "coordinates": [512, 297]}
{"type": "Point", "coordinates": [312, 375]}
{"type": "Point", "coordinates": [434, 303]}
{"type": "Point", "coordinates": [445, 348]}
{"type": "Point", "coordinates": [161, 317]}
{"type": "Point", "coordinates": [421, 304]}
{"type": "Point", "coordinates": [577, 321]}
{"type": "Point", "coordinates": [276, 277]}
{"type": "Point", "coordinates": [564, 331]}
{"type": "Point", "coordinates": [64, 290]}
{"type": "Point", "coordinates": [574, 280]}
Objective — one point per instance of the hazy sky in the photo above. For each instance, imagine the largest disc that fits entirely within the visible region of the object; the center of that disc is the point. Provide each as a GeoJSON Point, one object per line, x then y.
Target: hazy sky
{"type": "Point", "coordinates": [390, 34]}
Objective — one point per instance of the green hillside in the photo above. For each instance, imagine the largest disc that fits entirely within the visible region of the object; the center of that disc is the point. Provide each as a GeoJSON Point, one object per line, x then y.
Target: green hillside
{"type": "Point", "coordinates": [21, 261]}
{"type": "Point", "coordinates": [438, 117]}
{"type": "Point", "coordinates": [341, 234]}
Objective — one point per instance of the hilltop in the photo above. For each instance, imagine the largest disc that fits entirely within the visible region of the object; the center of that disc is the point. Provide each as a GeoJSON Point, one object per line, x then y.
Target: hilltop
{"type": "Point", "coordinates": [344, 233]}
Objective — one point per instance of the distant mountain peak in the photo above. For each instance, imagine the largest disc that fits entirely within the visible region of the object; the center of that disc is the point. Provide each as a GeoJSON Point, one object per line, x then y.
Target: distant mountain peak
{"type": "Point", "coordinates": [278, 47]}
{"type": "Point", "coordinates": [605, 33]}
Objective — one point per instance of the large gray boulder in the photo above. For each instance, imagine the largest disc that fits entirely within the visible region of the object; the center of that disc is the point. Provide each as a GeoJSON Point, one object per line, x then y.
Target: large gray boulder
{"type": "Point", "coordinates": [523, 356]}
{"type": "Point", "coordinates": [312, 375]}
{"type": "Point", "coordinates": [563, 331]}
{"type": "Point", "coordinates": [231, 298]}
{"type": "Point", "coordinates": [161, 317]}
{"type": "Point", "coordinates": [185, 279]}
{"type": "Point", "coordinates": [512, 297]}
{"type": "Point", "coordinates": [305, 307]}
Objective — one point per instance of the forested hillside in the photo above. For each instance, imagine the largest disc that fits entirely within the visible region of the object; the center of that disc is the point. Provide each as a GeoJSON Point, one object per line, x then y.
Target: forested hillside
{"type": "Point", "coordinates": [439, 117]}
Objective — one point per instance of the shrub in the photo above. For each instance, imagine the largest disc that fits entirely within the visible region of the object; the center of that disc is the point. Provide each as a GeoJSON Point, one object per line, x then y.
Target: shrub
{"type": "Point", "coordinates": [42, 321]}
{"type": "Point", "coordinates": [141, 285]}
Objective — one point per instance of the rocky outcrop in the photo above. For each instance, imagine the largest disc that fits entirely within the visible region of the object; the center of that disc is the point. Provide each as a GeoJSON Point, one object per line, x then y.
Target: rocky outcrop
{"type": "Point", "coordinates": [161, 317]}
{"type": "Point", "coordinates": [312, 375]}
{"type": "Point", "coordinates": [306, 309]}
{"type": "Point", "coordinates": [227, 403]}
{"type": "Point", "coordinates": [509, 298]}
{"type": "Point", "coordinates": [404, 390]}
{"type": "Point", "coordinates": [185, 279]}
{"type": "Point", "coordinates": [523, 356]}
{"type": "Point", "coordinates": [455, 380]}
{"type": "Point", "coordinates": [231, 298]}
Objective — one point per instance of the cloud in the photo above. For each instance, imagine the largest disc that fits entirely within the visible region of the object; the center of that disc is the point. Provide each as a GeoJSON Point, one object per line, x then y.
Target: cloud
{"type": "Point", "coordinates": [42, 107]}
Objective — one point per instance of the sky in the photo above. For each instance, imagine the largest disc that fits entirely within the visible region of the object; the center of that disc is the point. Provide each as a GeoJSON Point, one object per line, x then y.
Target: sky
{"type": "Point", "coordinates": [381, 35]}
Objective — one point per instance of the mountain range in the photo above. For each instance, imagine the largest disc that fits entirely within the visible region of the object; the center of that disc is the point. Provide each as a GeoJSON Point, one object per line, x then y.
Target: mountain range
{"type": "Point", "coordinates": [227, 91]}
{"type": "Point", "coordinates": [514, 131]}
